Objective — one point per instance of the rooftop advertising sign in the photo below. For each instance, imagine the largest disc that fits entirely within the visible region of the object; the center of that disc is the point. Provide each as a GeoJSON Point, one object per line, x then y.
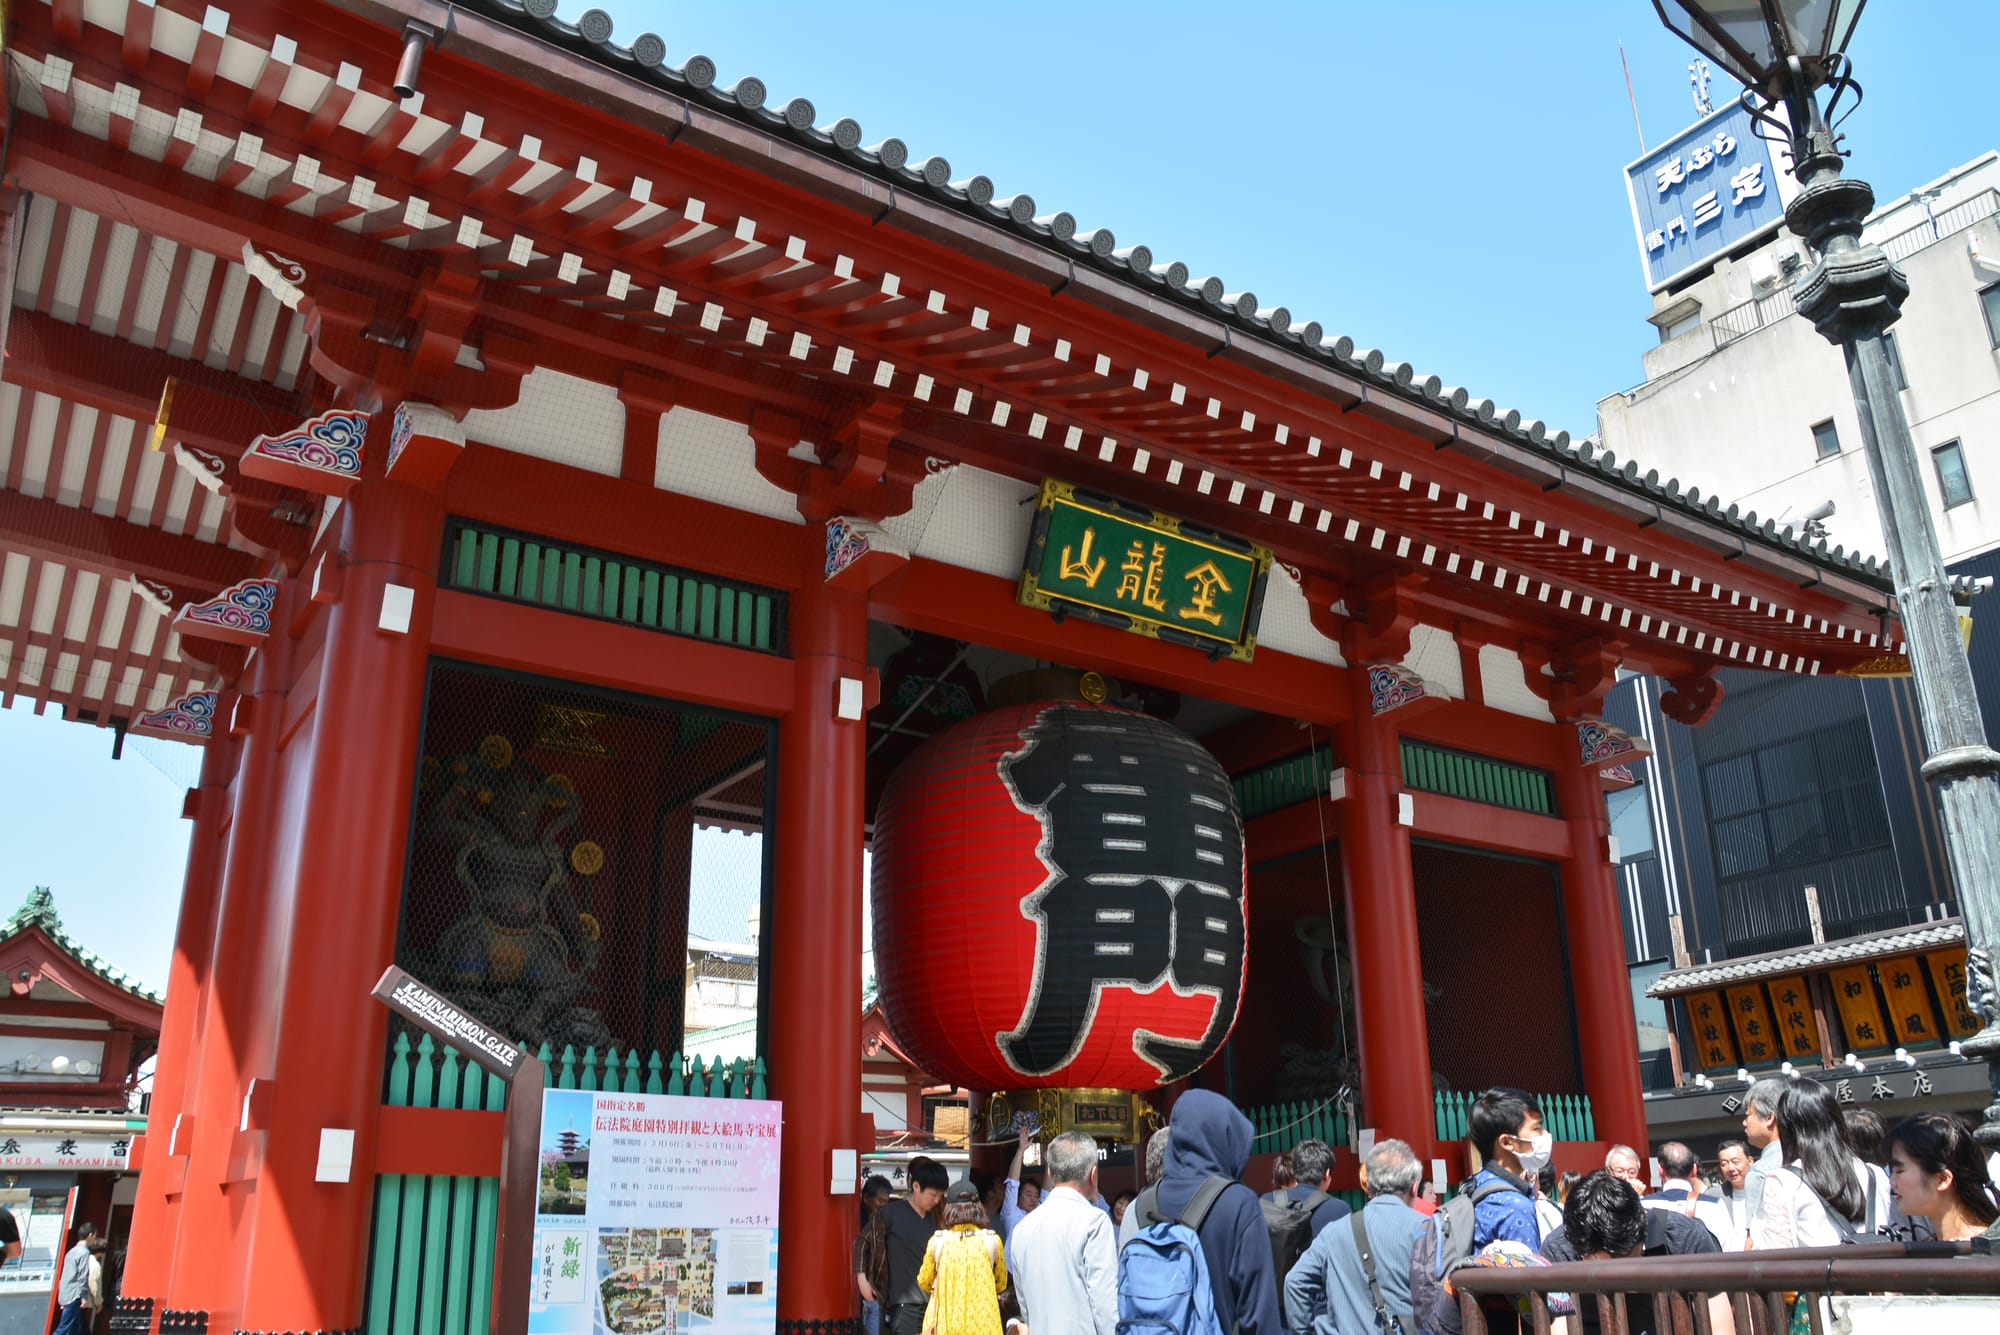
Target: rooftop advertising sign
{"type": "Point", "coordinates": [1709, 189]}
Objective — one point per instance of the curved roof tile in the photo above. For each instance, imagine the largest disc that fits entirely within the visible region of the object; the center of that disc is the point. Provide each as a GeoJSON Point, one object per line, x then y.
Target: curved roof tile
{"type": "Point", "coordinates": [591, 36]}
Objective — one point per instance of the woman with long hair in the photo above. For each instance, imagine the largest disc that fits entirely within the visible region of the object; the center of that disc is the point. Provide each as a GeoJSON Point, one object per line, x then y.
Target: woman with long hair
{"type": "Point", "coordinates": [1937, 1172]}
{"type": "Point", "coordinates": [1824, 1195]}
{"type": "Point", "coordinates": [964, 1270]}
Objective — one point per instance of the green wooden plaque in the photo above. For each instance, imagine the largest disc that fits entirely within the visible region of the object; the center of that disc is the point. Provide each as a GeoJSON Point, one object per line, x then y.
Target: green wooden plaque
{"type": "Point", "coordinates": [1123, 565]}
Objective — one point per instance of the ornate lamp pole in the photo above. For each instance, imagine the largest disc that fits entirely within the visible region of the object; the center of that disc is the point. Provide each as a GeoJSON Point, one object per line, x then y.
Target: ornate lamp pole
{"type": "Point", "coordinates": [1785, 52]}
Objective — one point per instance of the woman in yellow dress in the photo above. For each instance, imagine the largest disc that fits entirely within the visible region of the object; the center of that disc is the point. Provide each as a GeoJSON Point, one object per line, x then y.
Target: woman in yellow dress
{"type": "Point", "coordinates": [964, 1270]}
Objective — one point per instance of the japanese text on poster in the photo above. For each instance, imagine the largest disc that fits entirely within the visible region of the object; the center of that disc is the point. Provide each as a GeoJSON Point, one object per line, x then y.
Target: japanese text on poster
{"type": "Point", "coordinates": [655, 1213]}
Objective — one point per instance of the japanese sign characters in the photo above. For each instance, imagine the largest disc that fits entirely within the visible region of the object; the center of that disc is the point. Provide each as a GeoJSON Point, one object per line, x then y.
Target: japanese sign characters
{"type": "Point", "coordinates": [1704, 192]}
{"type": "Point", "coordinates": [1145, 881]}
{"type": "Point", "coordinates": [1058, 900]}
{"type": "Point", "coordinates": [1099, 558]}
{"type": "Point", "coordinates": [1709, 1014]}
{"type": "Point", "coordinates": [655, 1213]}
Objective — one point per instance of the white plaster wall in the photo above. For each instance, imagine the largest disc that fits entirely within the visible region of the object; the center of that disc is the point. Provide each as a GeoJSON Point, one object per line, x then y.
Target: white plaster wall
{"type": "Point", "coordinates": [1503, 683]}
{"type": "Point", "coordinates": [1434, 655]}
{"type": "Point", "coordinates": [561, 418]}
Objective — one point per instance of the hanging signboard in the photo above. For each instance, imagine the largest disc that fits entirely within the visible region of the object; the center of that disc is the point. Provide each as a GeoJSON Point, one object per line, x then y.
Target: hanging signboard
{"type": "Point", "coordinates": [1704, 193]}
{"type": "Point", "coordinates": [655, 1213]}
{"type": "Point", "coordinates": [1860, 1012]}
{"type": "Point", "coordinates": [1754, 1036]}
{"type": "Point", "coordinates": [1910, 1012]}
{"type": "Point", "coordinates": [1947, 969]}
{"type": "Point", "coordinates": [65, 1150]}
{"type": "Point", "coordinates": [1795, 1016]}
{"type": "Point", "coordinates": [1710, 1015]}
{"type": "Point", "coordinates": [1123, 565]}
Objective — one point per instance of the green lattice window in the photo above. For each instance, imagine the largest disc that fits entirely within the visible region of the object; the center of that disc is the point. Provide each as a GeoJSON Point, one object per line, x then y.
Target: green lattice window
{"type": "Point", "coordinates": [1433, 769]}
{"type": "Point", "coordinates": [1283, 783]}
{"type": "Point", "coordinates": [523, 568]}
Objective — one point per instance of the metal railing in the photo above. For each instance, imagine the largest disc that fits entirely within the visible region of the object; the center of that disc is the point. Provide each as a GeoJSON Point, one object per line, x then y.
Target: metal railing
{"type": "Point", "coordinates": [1760, 1288]}
{"type": "Point", "coordinates": [1741, 321]}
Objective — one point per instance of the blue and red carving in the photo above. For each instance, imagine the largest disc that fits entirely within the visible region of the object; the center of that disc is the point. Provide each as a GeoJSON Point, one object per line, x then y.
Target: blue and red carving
{"type": "Point", "coordinates": [1391, 686]}
{"type": "Point", "coordinates": [1602, 744]}
{"type": "Point", "coordinates": [240, 614]}
{"type": "Point", "coordinates": [323, 454]}
{"type": "Point", "coordinates": [846, 543]}
{"type": "Point", "coordinates": [190, 718]}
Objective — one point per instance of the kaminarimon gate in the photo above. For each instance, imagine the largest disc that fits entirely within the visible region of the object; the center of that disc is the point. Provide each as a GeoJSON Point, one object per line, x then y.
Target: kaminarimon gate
{"type": "Point", "coordinates": [570, 489]}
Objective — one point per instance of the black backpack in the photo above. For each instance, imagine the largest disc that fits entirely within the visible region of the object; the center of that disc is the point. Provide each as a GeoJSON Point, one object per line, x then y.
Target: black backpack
{"type": "Point", "coordinates": [1442, 1247]}
{"type": "Point", "coordinates": [1290, 1223]}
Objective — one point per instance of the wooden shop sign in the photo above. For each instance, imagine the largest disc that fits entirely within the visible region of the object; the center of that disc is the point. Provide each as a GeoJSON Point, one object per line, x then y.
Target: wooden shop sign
{"type": "Point", "coordinates": [443, 1020]}
{"type": "Point", "coordinates": [1109, 561]}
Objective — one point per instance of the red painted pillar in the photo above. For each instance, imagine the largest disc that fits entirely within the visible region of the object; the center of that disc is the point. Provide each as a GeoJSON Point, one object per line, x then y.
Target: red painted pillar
{"type": "Point", "coordinates": [349, 829]}
{"type": "Point", "coordinates": [204, 1179]}
{"type": "Point", "coordinates": [1601, 984]}
{"type": "Point", "coordinates": [815, 932]}
{"type": "Point", "coordinates": [149, 1250]}
{"type": "Point", "coordinates": [1382, 932]}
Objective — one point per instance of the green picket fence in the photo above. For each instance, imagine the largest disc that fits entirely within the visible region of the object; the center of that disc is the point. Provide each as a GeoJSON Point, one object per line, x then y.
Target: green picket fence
{"type": "Point", "coordinates": [1283, 1125]}
{"type": "Point", "coordinates": [1567, 1116]}
{"type": "Point", "coordinates": [431, 1267]}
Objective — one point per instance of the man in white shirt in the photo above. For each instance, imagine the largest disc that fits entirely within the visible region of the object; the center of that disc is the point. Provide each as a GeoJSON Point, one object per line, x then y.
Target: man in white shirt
{"type": "Point", "coordinates": [1680, 1192]}
{"type": "Point", "coordinates": [1733, 1163]}
{"type": "Point", "coordinates": [1064, 1254]}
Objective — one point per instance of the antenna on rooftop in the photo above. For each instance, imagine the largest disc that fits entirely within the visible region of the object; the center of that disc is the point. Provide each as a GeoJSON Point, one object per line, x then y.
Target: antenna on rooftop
{"type": "Point", "coordinates": [1632, 97]}
{"type": "Point", "coordinates": [1698, 76]}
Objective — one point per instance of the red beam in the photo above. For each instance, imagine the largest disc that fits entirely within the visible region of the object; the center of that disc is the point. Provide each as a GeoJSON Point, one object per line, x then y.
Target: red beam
{"type": "Point", "coordinates": [539, 496]}
{"type": "Point", "coordinates": [531, 639]}
{"type": "Point", "coordinates": [1454, 820]}
{"type": "Point", "coordinates": [456, 1142]}
{"type": "Point", "coordinates": [48, 531]}
{"type": "Point", "coordinates": [966, 605]}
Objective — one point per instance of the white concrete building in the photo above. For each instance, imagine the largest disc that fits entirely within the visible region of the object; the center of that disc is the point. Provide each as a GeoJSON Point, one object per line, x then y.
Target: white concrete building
{"type": "Point", "coordinates": [1743, 397]}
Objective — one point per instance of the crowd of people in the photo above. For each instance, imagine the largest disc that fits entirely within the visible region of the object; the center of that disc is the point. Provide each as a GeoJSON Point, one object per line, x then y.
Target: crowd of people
{"type": "Point", "coordinates": [1200, 1251]}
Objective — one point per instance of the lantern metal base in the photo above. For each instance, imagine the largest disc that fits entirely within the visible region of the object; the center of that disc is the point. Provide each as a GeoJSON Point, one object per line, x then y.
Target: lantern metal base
{"type": "Point", "coordinates": [1114, 1115]}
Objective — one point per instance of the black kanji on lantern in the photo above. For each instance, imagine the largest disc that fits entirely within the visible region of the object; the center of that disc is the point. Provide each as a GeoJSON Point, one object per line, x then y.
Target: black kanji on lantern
{"type": "Point", "coordinates": [1145, 886]}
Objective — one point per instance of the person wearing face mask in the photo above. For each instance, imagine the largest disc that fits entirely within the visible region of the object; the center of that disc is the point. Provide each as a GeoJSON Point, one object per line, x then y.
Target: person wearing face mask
{"type": "Point", "coordinates": [1506, 1128]}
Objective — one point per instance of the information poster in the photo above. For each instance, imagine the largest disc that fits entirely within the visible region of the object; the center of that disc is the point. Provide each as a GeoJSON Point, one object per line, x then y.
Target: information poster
{"type": "Point", "coordinates": [655, 1213]}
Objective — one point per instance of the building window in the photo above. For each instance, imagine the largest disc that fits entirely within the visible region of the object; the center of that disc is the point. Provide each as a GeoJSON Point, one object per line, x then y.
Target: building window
{"type": "Point", "coordinates": [1954, 485]}
{"type": "Point", "coordinates": [1895, 351]}
{"type": "Point", "coordinates": [1826, 440]}
{"type": "Point", "coordinates": [1800, 801]}
{"type": "Point", "coordinates": [1990, 299]}
{"type": "Point", "coordinates": [1685, 324]}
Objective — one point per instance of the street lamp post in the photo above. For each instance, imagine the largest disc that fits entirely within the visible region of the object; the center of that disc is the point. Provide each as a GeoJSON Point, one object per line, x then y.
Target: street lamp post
{"type": "Point", "coordinates": [1785, 52]}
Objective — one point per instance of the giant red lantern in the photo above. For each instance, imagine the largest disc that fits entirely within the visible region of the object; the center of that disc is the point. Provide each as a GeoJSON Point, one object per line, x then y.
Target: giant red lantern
{"type": "Point", "coordinates": [1058, 900]}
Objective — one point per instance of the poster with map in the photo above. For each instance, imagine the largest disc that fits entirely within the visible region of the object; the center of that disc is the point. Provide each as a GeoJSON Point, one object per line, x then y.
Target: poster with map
{"type": "Point", "coordinates": [655, 1215]}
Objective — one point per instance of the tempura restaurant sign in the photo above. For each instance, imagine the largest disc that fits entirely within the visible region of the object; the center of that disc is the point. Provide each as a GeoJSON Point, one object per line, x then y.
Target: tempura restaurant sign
{"type": "Point", "coordinates": [1109, 561]}
{"type": "Point", "coordinates": [443, 1020]}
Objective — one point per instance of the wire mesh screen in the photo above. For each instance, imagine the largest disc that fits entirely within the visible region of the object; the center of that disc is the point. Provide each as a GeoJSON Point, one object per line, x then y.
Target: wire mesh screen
{"type": "Point", "coordinates": [1491, 928]}
{"type": "Point", "coordinates": [588, 869]}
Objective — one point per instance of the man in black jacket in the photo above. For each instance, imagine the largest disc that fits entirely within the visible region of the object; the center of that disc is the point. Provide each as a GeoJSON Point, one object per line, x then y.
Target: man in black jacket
{"type": "Point", "coordinates": [1212, 1139]}
{"type": "Point", "coordinates": [1603, 1220]}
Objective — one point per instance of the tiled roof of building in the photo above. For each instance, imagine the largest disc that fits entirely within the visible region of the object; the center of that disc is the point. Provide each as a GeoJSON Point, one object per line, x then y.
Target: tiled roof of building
{"type": "Point", "coordinates": [798, 120]}
{"type": "Point", "coordinates": [1877, 945]}
{"type": "Point", "coordinates": [39, 910]}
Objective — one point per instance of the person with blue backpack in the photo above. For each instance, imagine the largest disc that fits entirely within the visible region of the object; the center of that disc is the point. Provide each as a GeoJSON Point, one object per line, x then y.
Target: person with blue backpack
{"type": "Point", "coordinates": [1201, 1263]}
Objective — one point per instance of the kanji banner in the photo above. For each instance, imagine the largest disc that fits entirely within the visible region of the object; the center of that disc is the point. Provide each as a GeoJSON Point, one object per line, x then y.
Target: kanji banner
{"type": "Point", "coordinates": [1947, 969]}
{"type": "Point", "coordinates": [1124, 565]}
{"type": "Point", "coordinates": [1860, 1012]}
{"type": "Point", "coordinates": [1709, 1014]}
{"type": "Point", "coordinates": [1795, 1015]}
{"type": "Point", "coordinates": [1910, 1009]}
{"type": "Point", "coordinates": [655, 1213]}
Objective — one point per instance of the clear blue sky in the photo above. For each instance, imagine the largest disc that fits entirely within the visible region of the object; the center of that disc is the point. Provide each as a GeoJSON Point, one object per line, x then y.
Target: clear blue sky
{"type": "Point", "coordinates": [1439, 180]}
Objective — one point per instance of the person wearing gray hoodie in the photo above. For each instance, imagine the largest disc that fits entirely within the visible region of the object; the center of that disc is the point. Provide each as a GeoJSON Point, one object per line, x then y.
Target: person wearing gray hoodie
{"type": "Point", "coordinates": [1212, 1139]}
